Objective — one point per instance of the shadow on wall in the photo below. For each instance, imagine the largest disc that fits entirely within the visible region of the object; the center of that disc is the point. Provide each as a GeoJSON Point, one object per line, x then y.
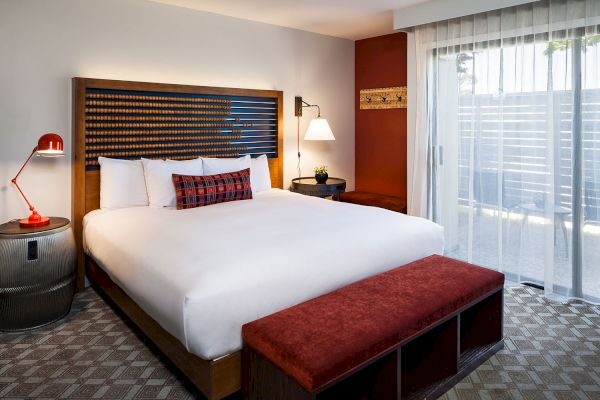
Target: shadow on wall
{"type": "Point", "coordinates": [3, 200]}
{"type": "Point", "coordinates": [4, 196]}
{"type": "Point", "coordinates": [4, 192]}
{"type": "Point", "coordinates": [319, 152]}
{"type": "Point", "coordinates": [12, 204]}
{"type": "Point", "coordinates": [9, 195]}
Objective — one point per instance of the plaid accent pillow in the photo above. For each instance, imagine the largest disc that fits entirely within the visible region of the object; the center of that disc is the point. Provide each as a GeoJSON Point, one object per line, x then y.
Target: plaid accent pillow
{"type": "Point", "coordinates": [198, 191]}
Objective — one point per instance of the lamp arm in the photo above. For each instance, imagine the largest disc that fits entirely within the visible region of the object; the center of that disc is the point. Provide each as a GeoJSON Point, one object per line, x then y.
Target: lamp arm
{"type": "Point", "coordinates": [305, 104]}
{"type": "Point", "coordinates": [14, 180]}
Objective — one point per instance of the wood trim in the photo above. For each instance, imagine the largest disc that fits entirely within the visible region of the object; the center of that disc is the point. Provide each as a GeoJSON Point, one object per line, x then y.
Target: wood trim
{"type": "Point", "coordinates": [215, 378]}
{"type": "Point", "coordinates": [78, 178]}
{"type": "Point", "coordinates": [174, 88]}
{"type": "Point", "coordinates": [277, 163]}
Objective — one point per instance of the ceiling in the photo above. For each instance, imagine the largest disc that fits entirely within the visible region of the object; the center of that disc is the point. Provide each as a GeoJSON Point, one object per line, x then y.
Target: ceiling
{"type": "Point", "coordinates": [349, 19]}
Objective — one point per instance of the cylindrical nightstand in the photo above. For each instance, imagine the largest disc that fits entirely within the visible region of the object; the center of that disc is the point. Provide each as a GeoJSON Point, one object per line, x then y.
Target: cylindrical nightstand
{"type": "Point", "coordinates": [309, 186]}
{"type": "Point", "coordinates": [37, 274]}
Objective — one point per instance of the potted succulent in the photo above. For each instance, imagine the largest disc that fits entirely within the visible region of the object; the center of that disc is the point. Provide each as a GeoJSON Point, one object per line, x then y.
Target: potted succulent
{"type": "Point", "coordinates": [321, 174]}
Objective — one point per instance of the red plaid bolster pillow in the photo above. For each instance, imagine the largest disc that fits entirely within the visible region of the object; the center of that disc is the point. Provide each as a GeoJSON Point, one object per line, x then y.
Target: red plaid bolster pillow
{"type": "Point", "coordinates": [198, 191]}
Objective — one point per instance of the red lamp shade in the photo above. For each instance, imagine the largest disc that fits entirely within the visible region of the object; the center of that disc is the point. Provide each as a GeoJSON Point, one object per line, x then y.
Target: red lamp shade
{"type": "Point", "coordinates": [49, 145]}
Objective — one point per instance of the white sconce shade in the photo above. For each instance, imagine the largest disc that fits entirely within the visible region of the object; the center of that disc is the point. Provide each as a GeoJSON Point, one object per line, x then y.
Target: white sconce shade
{"type": "Point", "coordinates": [319, 129]}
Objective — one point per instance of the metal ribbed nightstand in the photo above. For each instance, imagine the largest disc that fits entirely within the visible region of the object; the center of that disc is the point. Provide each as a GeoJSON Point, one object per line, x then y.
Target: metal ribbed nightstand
{"type": "Point", "coordinates": [37, 274]}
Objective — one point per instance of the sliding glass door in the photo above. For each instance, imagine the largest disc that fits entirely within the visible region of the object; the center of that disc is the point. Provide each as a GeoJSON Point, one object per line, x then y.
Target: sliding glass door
{"type": "Point", "coordinates": [514, 154]}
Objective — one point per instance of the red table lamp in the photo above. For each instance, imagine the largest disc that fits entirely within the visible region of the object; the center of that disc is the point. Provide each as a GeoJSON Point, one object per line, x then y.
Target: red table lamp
{"type": "Point", "coordinates": [49, 145]}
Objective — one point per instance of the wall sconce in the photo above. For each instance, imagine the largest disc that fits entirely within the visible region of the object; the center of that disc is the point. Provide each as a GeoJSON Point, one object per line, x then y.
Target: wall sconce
{"type": "Point", "coordinates": [318, 129]}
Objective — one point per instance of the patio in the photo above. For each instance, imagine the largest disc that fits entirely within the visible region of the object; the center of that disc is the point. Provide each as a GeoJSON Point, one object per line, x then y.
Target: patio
{"type": "Point", "coordinates": [521, 252]}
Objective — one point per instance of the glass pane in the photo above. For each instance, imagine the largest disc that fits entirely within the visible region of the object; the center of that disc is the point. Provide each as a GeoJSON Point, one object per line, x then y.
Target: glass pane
{"type": "Point", "coordinates": [591, 169]}
{"type": "Point", "coordinates": [509, 147]}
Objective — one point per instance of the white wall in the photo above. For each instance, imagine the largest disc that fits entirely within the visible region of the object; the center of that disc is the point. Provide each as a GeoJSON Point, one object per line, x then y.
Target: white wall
{"type": "Point", "coordinates": [44, 43]}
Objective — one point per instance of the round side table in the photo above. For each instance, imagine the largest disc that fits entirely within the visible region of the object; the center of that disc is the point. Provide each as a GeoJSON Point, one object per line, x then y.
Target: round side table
{"type": "Point", "coordinates": [309, 186]}
{"type": "Point", "coordinates": [37, 274]}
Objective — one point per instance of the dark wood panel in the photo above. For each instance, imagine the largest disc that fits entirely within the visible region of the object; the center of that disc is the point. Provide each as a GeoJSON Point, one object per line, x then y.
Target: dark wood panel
{"type": "Point", "coordinates": [378, 380]}
{"type": "Point", "coordinates": [430, 358]}
{"type": "Point", "coordinates": [280, 386]}
{"type": "Point", "coordinates": [481, 324]}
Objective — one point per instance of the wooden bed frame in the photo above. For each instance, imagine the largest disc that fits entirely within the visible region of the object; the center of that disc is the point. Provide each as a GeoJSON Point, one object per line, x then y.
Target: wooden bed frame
{"type": "Point", "coordinates": [215, 378]}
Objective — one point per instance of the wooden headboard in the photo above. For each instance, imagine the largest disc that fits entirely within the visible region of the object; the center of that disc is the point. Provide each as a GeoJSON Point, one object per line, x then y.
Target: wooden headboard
{"type": "Point", "coordinates": [130, 120]}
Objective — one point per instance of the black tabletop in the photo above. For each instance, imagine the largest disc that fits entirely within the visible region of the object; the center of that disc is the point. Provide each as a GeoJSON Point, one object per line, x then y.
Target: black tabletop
{"type": "Point", "coordinates": [13, 227]}
{"type": "Point", "coordinates": [312, 181]}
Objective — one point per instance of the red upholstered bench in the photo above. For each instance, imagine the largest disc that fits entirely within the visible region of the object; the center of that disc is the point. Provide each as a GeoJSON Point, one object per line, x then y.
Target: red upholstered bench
{"type": "Point", "coordinates": [393, 203]}
{"type": "Point", "coordinates": [412, 332]}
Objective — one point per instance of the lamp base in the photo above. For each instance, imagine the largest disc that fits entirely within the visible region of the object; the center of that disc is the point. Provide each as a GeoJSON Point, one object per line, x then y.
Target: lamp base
{"type": "Point", "coordinates": [26, 223]}
{"type": "Point", "coordinates": [34, 219]}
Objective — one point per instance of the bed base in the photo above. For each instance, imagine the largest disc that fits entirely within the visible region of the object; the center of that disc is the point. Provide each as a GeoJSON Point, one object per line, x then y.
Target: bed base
{"type": "Point", "coordinates": [216, 379]}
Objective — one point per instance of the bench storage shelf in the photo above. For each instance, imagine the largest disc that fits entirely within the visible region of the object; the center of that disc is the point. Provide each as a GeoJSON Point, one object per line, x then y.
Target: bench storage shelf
{"type": "Point", "coordinates": [420, 366]}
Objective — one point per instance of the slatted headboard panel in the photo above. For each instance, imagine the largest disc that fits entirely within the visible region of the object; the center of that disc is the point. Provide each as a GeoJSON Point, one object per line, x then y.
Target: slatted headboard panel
{"type": "Point", "coordinates": [130, 120]}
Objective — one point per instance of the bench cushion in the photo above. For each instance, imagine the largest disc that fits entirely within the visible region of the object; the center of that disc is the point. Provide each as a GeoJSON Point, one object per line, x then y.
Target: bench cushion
{"type": "Point", "coordinates": [393, 203]}
{"type": "Point", "coordinates": [322, 339]}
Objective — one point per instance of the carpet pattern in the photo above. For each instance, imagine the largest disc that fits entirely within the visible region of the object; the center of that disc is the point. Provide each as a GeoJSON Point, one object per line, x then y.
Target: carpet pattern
{"type": "Point", "coordinates": [552, 351]}
{"type": "Point", "coordinates": [90, 354]}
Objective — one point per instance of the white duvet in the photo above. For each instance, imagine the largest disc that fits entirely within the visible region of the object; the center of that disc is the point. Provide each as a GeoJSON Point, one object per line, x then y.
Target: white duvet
{"type": "Point", "coordinates": [203, 273]}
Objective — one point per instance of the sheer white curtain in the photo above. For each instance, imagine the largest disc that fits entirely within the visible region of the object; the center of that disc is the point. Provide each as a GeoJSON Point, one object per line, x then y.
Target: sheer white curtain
{"type": "Point", "coordinates": [507, 150]}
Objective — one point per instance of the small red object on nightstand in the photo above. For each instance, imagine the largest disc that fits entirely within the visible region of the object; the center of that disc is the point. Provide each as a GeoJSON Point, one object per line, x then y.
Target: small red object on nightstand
{"type": "Point", "coordinates": [49, 145]}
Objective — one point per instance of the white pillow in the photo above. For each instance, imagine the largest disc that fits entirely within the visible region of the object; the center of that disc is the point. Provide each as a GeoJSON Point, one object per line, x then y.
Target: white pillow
{"type": "Point", "coordinates": [260, 178]}
{"type": "Point", "coordinates": [214, 166]}
{"type": "Point", "coordinates": [122, 183]}
{"type": "Point", "coordinates": [159, 179]}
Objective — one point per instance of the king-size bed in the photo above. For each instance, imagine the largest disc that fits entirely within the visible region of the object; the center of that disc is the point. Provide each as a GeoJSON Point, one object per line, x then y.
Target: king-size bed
{"type": "Point", "coordinates": [191, 278]}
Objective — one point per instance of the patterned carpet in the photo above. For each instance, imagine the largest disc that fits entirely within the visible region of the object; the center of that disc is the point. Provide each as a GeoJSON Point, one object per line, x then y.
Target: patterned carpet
{"type": "Point", "coordinates": [552, 352]}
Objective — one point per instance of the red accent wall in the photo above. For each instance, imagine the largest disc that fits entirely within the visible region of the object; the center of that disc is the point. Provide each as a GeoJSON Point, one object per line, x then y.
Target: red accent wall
{"type": "Point", "coordinates": [380, 134]}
